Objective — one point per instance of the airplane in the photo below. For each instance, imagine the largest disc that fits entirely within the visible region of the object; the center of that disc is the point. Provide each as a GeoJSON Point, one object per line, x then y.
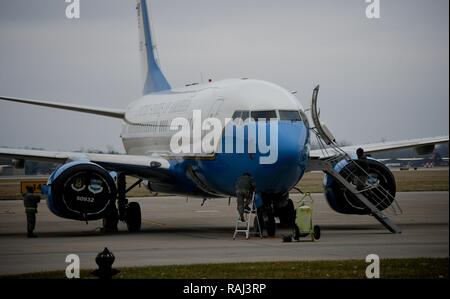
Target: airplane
{"type": "Point", "coordinates": [92, 186]}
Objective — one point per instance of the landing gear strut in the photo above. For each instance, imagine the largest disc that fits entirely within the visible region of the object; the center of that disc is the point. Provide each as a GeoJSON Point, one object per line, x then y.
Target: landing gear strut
{"type": "Point", "coordinates": [125, 211]}
{"type": "Point", "coordinates": [266, 220]}
{"type": "Point", "coordinates": [270, 224]}
{"type": "Point", "coordinates": [111, 220]}
{"type": "Point", "coordinates": [273, 206]}
{"type": "Point", "coordinates": [287, 214]}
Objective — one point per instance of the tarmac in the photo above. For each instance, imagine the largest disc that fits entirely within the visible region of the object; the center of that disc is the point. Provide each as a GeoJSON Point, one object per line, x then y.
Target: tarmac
{"type": "Point", "coordinates": [176, 231]}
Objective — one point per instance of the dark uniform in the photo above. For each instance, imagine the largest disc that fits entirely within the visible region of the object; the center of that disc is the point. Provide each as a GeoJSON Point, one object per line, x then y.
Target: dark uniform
{"type": "Point", "coordinates": [361, 179]}
{"type": "Point", "coordinates": [245, 186]}
{"type": "Point", "coordinates": [30, 202]}
{"type": "Point", "coordinates": [360, 154]}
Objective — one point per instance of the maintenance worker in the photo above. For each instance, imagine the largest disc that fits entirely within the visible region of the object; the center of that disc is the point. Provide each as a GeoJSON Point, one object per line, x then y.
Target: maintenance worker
{"type": "Point", "coordinates": [245, 186]}
{"type": "Point", "coordinates": [360, 154]}
{"type": "Point", "coordinates": [30, 201]}
{"type": "Point", "coordinates": [361, 182]}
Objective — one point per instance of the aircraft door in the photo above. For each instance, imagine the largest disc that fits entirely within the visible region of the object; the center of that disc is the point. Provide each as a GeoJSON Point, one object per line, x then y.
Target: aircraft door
{"type": "Point", "coordinates": [215, 108]}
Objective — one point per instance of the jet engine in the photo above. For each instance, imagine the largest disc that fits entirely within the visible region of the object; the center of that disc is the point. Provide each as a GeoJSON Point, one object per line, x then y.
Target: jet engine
{"type": "Point", "coordinates": [80, 190]}
{"type": "Point", "coordinates": [368, 176]}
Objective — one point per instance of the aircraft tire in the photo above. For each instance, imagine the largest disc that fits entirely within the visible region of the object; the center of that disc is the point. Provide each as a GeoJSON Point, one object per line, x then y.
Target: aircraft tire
{"type": "Point", "coordinates": [110, 221]}
{"type": "Point", "coordinates": [287, 214]}
{"type": "Point", "coordinates": [270, 225]}
{"type": "Point", "coordinates": [133, 217]}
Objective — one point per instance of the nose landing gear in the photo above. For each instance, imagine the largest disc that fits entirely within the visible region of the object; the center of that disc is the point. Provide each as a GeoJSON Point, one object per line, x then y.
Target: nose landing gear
{"type": "Point", "coordinates": [266, 218]}
{"type": "Point", "coordinates": [276, 206]}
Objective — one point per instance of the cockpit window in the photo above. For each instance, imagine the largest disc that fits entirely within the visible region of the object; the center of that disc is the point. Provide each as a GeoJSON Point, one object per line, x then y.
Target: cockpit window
{"type": "Point", "coordinates": [237, 114]}
{"type": "Point", "coordinates": [293, 115]}
{"type": "Point", "coordinates": [245, 115]}
{"type": "Point", "coordinates": [241, 114]}
{"type": "Point", "coordinates": [264, 115]}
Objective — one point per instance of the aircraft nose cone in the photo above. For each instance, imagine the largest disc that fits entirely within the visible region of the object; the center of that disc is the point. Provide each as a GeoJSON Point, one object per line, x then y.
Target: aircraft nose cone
{"type": "Point", "coordinates": [292, 156]}
{"type": "Point", "coordinates": [291, 145]}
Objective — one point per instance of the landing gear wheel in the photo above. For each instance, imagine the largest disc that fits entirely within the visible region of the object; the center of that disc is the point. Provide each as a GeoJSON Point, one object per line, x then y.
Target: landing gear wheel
{"type": "Point", "coordinates": [316, 232]}
{"type": "Point", "coordinates": [287, 215]}
{"type": "Point", "coordinates": [110, 222]}
{"type": "Point", "coordinates": [266, 221]}
{"type": "Point", "coordinates": [270, 225]}
{"type": "Point", "coordinates": [133, 217]}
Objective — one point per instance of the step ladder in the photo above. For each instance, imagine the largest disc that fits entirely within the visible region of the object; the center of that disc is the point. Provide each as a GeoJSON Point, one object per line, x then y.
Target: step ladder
{"type": "Point", "coordinates": [250, 216]}
{"type": "Point", "coordinates": [334, 154]}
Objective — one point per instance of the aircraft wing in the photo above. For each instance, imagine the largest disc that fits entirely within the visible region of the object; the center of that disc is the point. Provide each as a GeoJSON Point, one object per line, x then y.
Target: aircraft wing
{"type": "Point", "coordinates": [154, 167]}
{"type": "Point", "coordinates": [418, 144]}
{"type": "Point", "coordinates": [109, 112]}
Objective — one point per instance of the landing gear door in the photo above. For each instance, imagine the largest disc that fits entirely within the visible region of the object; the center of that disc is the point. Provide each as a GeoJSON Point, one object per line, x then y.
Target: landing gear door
{"type": "Point", "coordinates": [321, 128]}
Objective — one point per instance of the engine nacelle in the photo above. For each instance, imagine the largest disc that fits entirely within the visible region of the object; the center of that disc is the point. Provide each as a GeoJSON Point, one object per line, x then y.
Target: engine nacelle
{"type": "Point", "coordinates": [80, 190]}
{"type": "Point", "coordinates": [343, 201]}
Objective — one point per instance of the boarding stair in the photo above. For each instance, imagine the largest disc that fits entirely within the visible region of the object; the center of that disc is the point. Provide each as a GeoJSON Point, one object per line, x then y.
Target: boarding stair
{"type": "Point", "coordinates": [380, 198]}
{"type": "Point", "coordinates": [249, 217]}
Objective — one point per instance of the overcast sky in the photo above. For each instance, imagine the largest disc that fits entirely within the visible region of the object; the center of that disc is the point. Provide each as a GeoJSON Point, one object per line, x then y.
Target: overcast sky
{"type": "Point", "coordinates": [380, 79]}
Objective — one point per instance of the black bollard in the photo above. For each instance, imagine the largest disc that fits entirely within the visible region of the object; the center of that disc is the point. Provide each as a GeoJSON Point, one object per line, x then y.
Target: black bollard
{"type": "Point", "coordinates": [104, 260]}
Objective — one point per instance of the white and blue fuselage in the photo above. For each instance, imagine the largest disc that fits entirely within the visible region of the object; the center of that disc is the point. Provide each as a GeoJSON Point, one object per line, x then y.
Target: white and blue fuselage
{"type": "Point", "coordinates": [146, 129]}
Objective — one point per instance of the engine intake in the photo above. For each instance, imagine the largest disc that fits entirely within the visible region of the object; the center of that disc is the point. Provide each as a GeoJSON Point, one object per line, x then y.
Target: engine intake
{"type": "Point", "coordinates": [363, 174]}
{"type": "Point", "coordinates": [80, 190]}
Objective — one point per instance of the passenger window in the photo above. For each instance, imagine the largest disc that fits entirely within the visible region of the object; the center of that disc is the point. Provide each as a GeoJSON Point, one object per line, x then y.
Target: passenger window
{"type": "Point", "coordinates": [245, 115]}
{"type": "Point", "coordinates": [264, 115]}
{"type": "Point", "coordinates": [290, 115]}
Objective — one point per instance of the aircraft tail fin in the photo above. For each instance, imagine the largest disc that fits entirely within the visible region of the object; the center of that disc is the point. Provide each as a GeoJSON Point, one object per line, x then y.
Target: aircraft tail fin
{"type": "Point", "coordinates": [154, 79]}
